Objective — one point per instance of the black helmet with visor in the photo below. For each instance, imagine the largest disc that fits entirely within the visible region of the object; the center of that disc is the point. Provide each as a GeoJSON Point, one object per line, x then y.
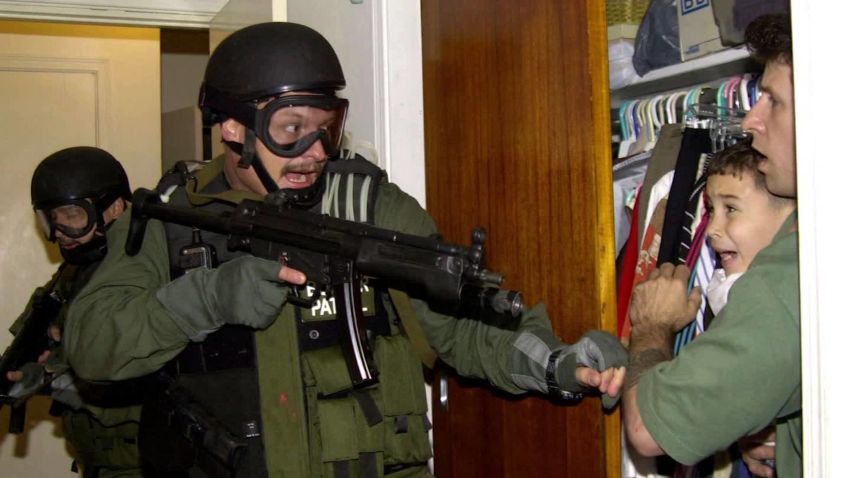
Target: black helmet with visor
{"type": "Point", "coordinates": [72, 188]}
{"type": "Point", "coordinates": [279, 80]}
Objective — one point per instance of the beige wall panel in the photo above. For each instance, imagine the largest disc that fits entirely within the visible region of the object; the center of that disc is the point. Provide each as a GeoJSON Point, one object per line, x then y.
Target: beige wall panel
{"type": "Point", "coordinates": [63, 85]}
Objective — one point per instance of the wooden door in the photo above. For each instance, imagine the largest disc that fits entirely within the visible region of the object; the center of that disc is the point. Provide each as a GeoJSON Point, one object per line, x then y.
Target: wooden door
{"type": "Point", "coordinates": [517, 139]}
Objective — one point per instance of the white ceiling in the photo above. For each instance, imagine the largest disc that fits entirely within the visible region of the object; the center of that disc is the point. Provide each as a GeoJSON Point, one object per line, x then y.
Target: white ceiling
{"type": "Point", "coordinates": [172, 13]}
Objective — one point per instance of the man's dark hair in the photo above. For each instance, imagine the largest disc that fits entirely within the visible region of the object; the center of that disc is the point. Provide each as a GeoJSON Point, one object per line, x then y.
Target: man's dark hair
{"type": "Point", "coordinates": [738, 160]}
{"type": "Point", "coordinates": [769, 38]}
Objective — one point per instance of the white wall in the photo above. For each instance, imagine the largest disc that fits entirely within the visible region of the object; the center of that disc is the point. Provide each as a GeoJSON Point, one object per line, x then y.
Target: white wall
{"type": "Point", "coordinates": [823, 172]}
{"type": "Point", "coordinates": [181, 78]}
{"type": "Point", "coordinates": [349, 28]}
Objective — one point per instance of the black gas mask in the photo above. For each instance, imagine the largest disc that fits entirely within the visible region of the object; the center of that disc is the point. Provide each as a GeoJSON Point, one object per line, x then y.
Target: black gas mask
{"type": "Point", "coordinates": [73, 220]}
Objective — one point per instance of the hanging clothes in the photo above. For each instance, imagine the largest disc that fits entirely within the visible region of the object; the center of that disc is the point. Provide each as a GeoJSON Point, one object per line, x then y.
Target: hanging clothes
{"type": "Point", "coordinates": [669, 219]}
{"type": "Point", "coordinates": [628, 174]}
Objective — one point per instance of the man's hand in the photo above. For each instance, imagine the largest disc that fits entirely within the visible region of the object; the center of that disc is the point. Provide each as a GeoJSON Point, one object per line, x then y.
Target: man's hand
{"type": "Point", "coordinates": [291, 276]}
{"type": "Point", "coordinates": [246, 291]}
{"type": "Point", "coordinates": [663, 300]}
{"type": "Point", "coordinates": [759, 451]}
{"type": "Point", "coordinates": [28, 380]}
{"type": "Point", "coordinates": [600, 363]}
{"type": "Point", "coordinates": [608, 382]}
{"type": "Point", "coordinates": [18, 375]}
{"type": "Point", "coordinates": [55, 334]}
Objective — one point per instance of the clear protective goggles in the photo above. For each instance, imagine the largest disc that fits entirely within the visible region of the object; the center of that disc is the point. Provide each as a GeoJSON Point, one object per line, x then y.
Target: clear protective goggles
{"type": "Point", "coordinates": [289, 125]}
{"type": "Point", "coordinates": [74, 219]}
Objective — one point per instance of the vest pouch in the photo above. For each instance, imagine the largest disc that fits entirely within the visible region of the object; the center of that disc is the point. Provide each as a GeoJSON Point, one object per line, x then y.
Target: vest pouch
{"type": "Point", "coordinates": [98, 446]}
{"type": "Point", "coordinates": [338, 428]}
{"type": "Point", "coordinates": [403, 402]}
{"type": "Point", "coordinates": [329, 371]}
{"type": "Point", "coordinates": [343, 432]}
{"type": "Point", "coordinates": [342, 428]}
{"type": "Point", "coordinates": [400, 376]}
{"type": "Point", "coordinates": [347, 441]}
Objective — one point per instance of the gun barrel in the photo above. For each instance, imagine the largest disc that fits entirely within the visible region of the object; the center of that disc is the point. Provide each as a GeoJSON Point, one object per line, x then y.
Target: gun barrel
{"type": "Point", "coordinates": [490, 277]}
{"type": "Point", "coordinates": [490, 300]}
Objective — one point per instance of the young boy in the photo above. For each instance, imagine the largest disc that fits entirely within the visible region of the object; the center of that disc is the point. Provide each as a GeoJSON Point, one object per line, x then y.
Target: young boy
{"type": "Point", "coordinates": [744, 216]}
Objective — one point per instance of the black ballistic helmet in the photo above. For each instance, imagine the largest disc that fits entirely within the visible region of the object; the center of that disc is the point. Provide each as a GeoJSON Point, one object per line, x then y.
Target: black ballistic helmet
{"type": "Point", "coordinates": [78, 173]}
{"type": "Point", "coordinates": [82, 182]}
{"type": "Point", "coordinates": [267, 59]}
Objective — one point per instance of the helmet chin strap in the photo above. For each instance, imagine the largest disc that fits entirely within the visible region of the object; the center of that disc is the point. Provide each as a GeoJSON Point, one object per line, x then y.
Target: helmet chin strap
{"type": "Point", "coordinates": [250, 159]}
{"type": "Point", "coordinates": [304, 197]}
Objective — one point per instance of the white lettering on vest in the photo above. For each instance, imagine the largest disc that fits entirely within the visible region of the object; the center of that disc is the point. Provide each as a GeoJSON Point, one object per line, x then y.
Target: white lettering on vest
{"type": "Point", "coordinates": [327, 305]}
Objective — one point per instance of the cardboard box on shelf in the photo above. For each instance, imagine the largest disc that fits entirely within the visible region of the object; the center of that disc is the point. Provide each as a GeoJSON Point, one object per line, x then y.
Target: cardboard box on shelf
{"type": "Point", "coordinates": [698, 34]}
{"type": "Point", "coordinates": [622, 31]}
{"type": "Point", "coordinates": [624, 16]}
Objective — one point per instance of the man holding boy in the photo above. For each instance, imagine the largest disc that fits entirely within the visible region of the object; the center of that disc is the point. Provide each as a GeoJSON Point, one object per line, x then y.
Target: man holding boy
{"type": "Point", "coordinates": [743, 374]}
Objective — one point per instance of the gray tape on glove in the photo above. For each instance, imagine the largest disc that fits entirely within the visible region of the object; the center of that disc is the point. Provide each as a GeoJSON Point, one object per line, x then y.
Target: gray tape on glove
{"type": "Point", "coordinates": [533, 349]}
{"type": "Point", "coordinates": [64, 390]}
{"type": "Point", "coordinates": [244, 291]}
{"type": "Point", "coordinates": [600, 351]}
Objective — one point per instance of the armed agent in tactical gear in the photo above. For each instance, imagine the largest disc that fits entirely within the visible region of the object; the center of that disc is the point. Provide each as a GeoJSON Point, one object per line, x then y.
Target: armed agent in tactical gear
{"type": "Point", "coordinates": [77, 194]}
{"type": "Point", "coordinates": [254, 384]}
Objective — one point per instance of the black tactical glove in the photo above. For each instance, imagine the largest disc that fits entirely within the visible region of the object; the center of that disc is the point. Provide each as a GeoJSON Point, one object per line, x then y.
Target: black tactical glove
{"type": "Point", "coordinates": [243, 291]}
{"type": "Point", "coordinates": [547, 365]}
{"type": "Point", "coordinates": [32, 381]}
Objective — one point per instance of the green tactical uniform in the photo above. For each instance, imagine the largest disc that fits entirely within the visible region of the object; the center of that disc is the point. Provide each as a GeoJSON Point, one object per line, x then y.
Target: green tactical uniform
{"type": "Point", "coordinates": [311, 425]}
{"type": "Point", "coordinates": [103, 439]}
{"type": "Point", "coordinates": [754, 345]}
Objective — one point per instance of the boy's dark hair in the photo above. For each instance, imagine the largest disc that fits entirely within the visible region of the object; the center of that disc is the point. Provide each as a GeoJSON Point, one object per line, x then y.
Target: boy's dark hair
{"type": "Point", "coordinates": [769, 38]}
{"type": "Point", "coordinates": [737, 160]}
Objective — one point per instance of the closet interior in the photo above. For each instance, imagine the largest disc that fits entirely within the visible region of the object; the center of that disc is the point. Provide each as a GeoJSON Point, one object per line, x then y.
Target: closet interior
{"type": "Point", "coordinates": [665, 125]}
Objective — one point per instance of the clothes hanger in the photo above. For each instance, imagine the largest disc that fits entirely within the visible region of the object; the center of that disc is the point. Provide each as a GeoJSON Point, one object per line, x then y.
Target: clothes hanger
{"type": "Point", "coordinates": [733, 96]}
{"type": "Point", "coordinates": [743, 92]}
{"type": "Point", "coordinates": [657, 114]}
{"type": "Point", "coordinates": [720, 97]}
{"type": "Point", "coordinates": [624, 127]}
{"type": "Point", "coordinates": [633, 120]}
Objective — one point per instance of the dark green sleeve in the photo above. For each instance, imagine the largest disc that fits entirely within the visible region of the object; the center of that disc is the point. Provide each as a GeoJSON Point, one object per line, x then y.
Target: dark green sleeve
{"type": "Point", "coordinates": [473, 348]}
{"type": "Point", "coordinates": [116, 328]}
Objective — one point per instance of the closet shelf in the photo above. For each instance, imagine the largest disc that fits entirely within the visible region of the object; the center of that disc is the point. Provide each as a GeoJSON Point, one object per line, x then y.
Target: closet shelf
{"type": "Point", "coordinates": [721, 64]}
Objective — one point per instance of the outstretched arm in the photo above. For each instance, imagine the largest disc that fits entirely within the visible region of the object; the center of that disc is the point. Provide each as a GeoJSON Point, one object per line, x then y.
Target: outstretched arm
{"type": "Point", "coordinates": [514, 361]}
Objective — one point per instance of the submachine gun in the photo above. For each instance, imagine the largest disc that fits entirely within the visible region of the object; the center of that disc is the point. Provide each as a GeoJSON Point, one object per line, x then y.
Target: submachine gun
{"type": "Point", "coordinates": [336, 254]}
{"type": "Point", "coordinates": [30, 341]}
